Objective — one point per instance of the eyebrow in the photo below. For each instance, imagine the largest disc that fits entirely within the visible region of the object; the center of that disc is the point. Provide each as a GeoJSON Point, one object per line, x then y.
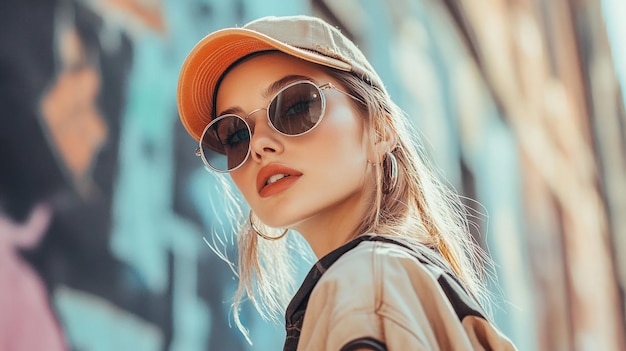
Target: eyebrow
{"type": "Point", "coordinates": [270, 90]}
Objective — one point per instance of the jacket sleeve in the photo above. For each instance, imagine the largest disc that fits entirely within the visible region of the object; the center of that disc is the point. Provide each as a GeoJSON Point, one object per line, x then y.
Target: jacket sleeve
{"type": "Point", "coordinates": [380, 292]}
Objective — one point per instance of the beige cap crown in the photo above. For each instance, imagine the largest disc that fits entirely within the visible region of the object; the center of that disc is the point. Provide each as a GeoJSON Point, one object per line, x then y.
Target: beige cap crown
{"type": "Point", "coordinates": [304, 37]}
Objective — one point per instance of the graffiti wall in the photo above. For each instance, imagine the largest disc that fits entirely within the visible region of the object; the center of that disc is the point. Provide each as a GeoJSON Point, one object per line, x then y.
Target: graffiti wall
{"type": "Point", "coordinates": [103, 203]}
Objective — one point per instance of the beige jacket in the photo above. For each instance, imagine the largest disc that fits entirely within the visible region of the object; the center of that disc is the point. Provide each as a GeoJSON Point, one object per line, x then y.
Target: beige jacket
{"type": "Point", "coordinates": [380, 293]}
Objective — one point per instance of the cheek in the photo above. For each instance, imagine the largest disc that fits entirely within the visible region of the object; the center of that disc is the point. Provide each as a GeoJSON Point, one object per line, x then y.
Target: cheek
{"type": "Point", "coordinates": [243, 182]}
{"type": "Point", "coordinates": [343, 134]}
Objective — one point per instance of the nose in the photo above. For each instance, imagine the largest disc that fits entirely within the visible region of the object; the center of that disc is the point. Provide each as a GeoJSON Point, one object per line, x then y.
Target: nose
{"type": "Point", "coordinates": [265, 141]}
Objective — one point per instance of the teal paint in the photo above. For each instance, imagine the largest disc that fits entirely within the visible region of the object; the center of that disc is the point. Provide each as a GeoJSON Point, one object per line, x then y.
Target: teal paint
{"type": "Point", "coordinates": [496, 168]}
{"type": "Point", "coordinates": [614, 12]}
{"type": "Point", "coordinates": [255, 8]}
{"type": "Point", "coordinates": [93, 324]}
{"type": "Point", "coordinates": [145, 228]}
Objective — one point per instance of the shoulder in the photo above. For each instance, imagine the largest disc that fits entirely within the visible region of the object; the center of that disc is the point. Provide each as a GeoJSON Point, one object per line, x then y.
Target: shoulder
{"type": "Point", "coordinates": [403, 271]}
{"type": "Point", "coordinates": [351, 301]}
{"type": "Point", "coordinates": [372, 263]}
{"type": "Point", "coordinates": [381, 278]}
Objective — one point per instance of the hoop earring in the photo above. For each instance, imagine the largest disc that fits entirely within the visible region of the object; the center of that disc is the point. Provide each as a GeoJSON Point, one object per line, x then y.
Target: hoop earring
{"type": "Point", "coordinates": [391, 164]}
{"type": "Point", "coordinates": [263, 235]}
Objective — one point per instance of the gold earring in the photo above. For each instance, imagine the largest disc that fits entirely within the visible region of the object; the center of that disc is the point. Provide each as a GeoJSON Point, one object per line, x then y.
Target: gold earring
{"type": "Point", "coordinates": [390, 163]}
{"type": "Point", "coordinates": [263, 235]}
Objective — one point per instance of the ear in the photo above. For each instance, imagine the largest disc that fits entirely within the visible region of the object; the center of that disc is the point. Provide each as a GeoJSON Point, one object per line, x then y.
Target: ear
{"type": "Point", "coordinates": [382, 142]}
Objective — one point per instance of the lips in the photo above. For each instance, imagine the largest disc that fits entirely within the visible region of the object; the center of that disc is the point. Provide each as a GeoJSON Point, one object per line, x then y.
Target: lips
{"type": "Point", "coordinates": [275, 178]}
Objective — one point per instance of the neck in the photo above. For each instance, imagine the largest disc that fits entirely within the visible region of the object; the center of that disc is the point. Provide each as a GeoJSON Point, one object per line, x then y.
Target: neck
{"type": "Point", "coordinates": [333, 227]}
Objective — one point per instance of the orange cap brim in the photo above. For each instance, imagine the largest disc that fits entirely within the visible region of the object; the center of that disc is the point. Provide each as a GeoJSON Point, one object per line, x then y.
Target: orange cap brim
{"type": "Point", "coordinates": [212, 56]}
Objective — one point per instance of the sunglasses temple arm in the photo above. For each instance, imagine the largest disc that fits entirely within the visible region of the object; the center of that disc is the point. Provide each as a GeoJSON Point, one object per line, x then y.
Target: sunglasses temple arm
{"type": "Point", "coordinates": [331, 86]}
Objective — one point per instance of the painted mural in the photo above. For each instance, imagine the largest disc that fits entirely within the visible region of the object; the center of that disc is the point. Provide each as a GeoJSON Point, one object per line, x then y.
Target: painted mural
{"type": "Point", "coordinates": [103, 204]}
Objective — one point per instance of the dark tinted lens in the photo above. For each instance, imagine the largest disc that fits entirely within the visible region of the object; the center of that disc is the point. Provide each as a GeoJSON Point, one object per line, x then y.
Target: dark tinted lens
{"type": "Point", "coordinates": [225, 142]}
{"type": "Point", "coordinates": [297, 109]}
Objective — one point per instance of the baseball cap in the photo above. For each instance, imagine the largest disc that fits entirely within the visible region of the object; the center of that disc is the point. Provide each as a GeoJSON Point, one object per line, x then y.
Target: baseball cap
{"type": "Point", "coordinates": [304, 37]}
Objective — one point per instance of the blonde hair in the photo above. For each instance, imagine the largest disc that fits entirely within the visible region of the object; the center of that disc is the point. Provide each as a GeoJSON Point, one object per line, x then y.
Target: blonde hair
{"type": "Point", "coordinates": [418, 209]}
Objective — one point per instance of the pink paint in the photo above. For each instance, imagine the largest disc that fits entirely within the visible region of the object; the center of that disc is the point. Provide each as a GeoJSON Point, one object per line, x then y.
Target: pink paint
{"type": "Point", "coordinates": [27, 321]}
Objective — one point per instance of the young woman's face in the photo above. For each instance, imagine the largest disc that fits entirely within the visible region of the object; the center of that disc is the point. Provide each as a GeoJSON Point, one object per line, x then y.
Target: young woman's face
{"type": "Point", "coordinates": [326, 167]}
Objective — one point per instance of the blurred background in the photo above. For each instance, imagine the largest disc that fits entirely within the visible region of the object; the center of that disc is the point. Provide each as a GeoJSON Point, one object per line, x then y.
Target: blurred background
{"type": "Point", "coordinates": [104, 206]}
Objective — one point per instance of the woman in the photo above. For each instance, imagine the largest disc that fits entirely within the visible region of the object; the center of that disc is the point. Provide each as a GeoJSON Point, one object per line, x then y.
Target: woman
{"type": "Point", "coordinates": [293, 111]}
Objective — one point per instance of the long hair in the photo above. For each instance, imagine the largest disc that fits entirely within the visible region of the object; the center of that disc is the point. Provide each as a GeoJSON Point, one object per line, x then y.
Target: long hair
{"type": "Point", "coordinates": [419, 209]}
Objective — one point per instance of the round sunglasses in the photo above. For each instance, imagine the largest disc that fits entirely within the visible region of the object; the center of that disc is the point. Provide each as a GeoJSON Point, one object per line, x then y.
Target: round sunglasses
{"type": "Point", "coordinates": [295, 110]}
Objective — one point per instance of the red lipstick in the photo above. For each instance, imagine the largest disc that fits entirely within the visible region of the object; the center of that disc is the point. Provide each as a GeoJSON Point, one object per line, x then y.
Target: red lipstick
{"type": "Point", "coordinates": [275, 178]}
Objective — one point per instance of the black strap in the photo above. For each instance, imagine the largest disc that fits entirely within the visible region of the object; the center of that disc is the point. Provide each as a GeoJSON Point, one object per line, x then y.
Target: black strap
{"type": "Point", "coordinates": [364, 344]}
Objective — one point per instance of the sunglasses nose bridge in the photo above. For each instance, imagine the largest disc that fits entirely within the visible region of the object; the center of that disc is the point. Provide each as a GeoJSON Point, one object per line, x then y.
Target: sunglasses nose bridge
{"type": "Point", "coordinates": [251, 122]}
{"type": "Point", "coordinates": [255, 111]}
{"type": "Point", "coordinates": [248, 120]}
